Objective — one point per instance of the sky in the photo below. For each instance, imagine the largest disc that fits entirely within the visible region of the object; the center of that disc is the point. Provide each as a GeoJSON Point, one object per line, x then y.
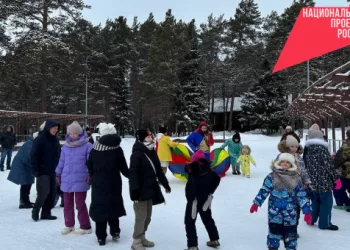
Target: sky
{"type": "Point", "coordinates": [186, 10]}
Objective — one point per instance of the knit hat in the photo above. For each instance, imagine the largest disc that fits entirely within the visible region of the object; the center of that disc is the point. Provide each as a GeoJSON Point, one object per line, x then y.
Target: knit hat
{"type": "Point", "coordinates": [162, 129]}
{"type": "Point", "coordinates": [141, 134]}
{"type": "Point", "coordinates": [315, 132]}
{"type": "Point", "coordinates": [197, 156]}
{"type": "Point", "coordinates": [106, 129]}
{"type": "Point", "coordinates": [286, 157]}
{"type": "Point", "coordinates": [291, 141]}
{"type": "Point", "coordinates": [74, 128]}
{"type": "Point", "coordinates": [236, 136]}
{"type": "Point", "coordinates": [289, 128]}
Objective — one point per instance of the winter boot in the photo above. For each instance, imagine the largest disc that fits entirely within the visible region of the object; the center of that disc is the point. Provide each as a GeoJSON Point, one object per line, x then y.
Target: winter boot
{"type": "Point", "coordinates": [82, 231]}
{"type": "Point", "coordinates": [273, 248]}
{"type": "Point", "coordinates": [137, 245]}
{"type": "Point", "coordinates": [48, 217]}
{"type": "Point", "coordinates": [348, 210]}
{"type": "Point", "coordinates": [67, 230]}
{"type": "Point", "coordinates": [25, 205]}
{"type": "Point", "coordinates": [333, 228]}
{"type": "Point", "coordinates": [214, 243]}
{"type": "Point", "coordinates": [35, 215]}
{"type": "Point", "coordinates": [234, 172]}
{"type": "Point", "coordinates": [101, 242]}
{"type": "Point", "coordinates": [146, 243]}
{"type": "Point", "coordinates": [116, 236]}
{"type": "Point", "coordinates": [192, 248]}
{"type": "Point", "coordinates": [238, 172]}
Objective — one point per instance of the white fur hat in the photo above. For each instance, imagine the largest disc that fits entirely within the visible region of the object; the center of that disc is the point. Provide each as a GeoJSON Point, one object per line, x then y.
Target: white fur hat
{"type": "Point", "coordinates": [286, 157]}
{"type": "Point", "coordinates": [291, 141]}
{"type": "Point", "coordinates": [289, 128]}
{"type": "Point", "coordinates": [106, 129]}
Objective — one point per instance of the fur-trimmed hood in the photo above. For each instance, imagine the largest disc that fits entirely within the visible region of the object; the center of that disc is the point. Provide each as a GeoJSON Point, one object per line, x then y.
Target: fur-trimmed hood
{"type": "Point", "coordinates": [282, 147]}
{"type": "Point", "coordinates": [247, 148]}
{"type": "Point", "coordinates": [316, 141]}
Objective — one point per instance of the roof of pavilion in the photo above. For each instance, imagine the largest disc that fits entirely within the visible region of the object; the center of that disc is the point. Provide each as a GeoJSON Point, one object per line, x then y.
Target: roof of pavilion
{"type": "Point", "coordinates": [326, 98]}
{"type": "Point", "coordinates": [22, 115]}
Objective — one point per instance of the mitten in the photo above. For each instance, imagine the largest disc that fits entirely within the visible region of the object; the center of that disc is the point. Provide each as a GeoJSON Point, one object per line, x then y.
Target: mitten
{"type": "Point", "coordinates": [88, 179]}
{"type": "Point", "coordinates": [207, 203]}
{"type": "Point", "coordinates": [308, 219]}
{"type": "Point", "coordinates": [135, 195]}
{"type": "Point", "coordinates": [338, 184]}
{"type": "Point", "coordinates": [167, 188]}
{"type": "Point", "coordinates": [254, 208]}
{"type": "Point", "coordinates": [194, 209]}
{"type": "Point", "coordinates": [58, 180]}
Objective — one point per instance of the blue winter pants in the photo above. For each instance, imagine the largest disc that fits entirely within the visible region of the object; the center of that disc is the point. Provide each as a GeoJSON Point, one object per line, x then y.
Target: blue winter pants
{"type": "Point", "coordinates": [322, 204]}
{"type": "Point", "coordinates": [6, 152]}
{"type": "Point", "coordinates": [280, 231]}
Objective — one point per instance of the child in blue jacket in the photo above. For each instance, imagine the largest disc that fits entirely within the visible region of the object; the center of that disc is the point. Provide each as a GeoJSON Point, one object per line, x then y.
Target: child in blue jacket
{"type": "Point", "coordinates": [285, 188]}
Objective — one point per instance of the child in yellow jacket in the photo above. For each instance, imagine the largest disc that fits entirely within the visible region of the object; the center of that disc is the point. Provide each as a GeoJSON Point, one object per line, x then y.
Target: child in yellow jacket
{"type": "Point", "coordinates": [245, 159]}
{"type": "Point", "coordinates": [164, 145]}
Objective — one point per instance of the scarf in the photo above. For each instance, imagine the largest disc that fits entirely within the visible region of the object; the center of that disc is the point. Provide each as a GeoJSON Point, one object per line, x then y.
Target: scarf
{"type": "Point", "coordinates": [74, 144]}
{"type": "Point", "coordinates": [149, 145]}
{"type": "Point", "coordinates": [100, 147]}
{"type": "Point", "coordinates": [284, 179]}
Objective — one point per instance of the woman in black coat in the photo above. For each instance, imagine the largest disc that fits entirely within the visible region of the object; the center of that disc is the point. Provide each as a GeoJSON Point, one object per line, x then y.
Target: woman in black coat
{"type": "Point", "coordinates": [106, 162]}
{"type": "Point", "coordinates": [145, 172]}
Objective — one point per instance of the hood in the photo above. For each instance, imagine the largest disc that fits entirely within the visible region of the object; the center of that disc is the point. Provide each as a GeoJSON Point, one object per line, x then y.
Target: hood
{"type": "Point", "coordinates": [159, 136]}
{"type": "Point", "coordinates": [11, 128]}
{"type": "Point", "coordinates": [282, 147]}
{"type": "Point", "coordinates": [285, 157]}
{"type": "Point", "coordinates": [246, 147]}
{"type": "Point", "coordinates": [50, 124]}
{"type": "Point", "coordinates": [108, 142]}
{"type": "Point", "coordinates": [316, 141]}
{"type": "Point", "coordinates": [140, 147]}
{"type": "Point", "coordinates": [81, 138]}
{"type": "Point", "coordinates": [201, 124]}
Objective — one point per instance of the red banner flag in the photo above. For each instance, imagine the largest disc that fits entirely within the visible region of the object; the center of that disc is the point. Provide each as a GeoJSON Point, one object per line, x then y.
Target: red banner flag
{"type": "Point", "coordinates": [317, 31]}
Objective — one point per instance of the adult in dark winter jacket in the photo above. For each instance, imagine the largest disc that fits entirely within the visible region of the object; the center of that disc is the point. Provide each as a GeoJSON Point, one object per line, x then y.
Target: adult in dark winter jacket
{"type": "Point", "coordinates": [106, 162]}
{"type": "Point", "coordinates": [289, 131]}
{"type": "Point", "coordinates": [7, 142]}
{"type": "Point", "coordinates": [21, 172]}
{"type": "Point", "coordinates": [44, 157]}
{"type": "Point", "coordinates": [145, 172]}
{"type": "Point", "coordinates": [342, 165]}
{"type": "Point", "coordinates": [202, 183]}
{"type": "Point", "coordinates": [318, 165]}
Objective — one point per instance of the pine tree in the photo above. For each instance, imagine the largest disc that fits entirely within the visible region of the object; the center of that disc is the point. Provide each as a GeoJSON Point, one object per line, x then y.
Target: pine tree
{"type": "Point", "coordinates": [119, 68]}
{"type": "Point", "coordinates": [264, 104]}
{"type": "Point", "coordinates": [191, 99]}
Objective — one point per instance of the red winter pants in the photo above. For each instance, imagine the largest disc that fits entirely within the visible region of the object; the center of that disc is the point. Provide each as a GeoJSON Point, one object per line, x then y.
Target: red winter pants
{"type": "Point", "coordinates": [83, 215]}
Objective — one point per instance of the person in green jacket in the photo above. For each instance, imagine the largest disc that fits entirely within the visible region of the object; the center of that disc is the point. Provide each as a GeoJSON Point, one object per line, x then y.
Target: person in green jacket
{"type": "Point", "coordinates": [234, 149]}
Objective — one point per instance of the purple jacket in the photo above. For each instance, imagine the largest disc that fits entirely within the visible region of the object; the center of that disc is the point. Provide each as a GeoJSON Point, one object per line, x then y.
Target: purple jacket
{"type": "Point", "coordinates": [72, 165]}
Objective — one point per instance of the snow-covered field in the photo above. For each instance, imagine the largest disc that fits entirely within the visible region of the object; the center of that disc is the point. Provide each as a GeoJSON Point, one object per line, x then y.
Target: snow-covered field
{"type": "Point", "coordinates": [237, 227]}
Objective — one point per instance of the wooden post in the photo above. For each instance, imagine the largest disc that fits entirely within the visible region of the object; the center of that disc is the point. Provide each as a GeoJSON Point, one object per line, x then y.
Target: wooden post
{"type": "Point", "coordinates": [333, 135]}
{"type": "Point", "coordinates": [342, 122]}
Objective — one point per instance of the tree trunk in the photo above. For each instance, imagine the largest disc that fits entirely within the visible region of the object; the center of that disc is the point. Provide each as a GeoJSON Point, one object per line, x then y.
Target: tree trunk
{"type": "Point", "coordinates": [43, 61]}
{"type": "Point", "coordinates": [231, 110]}
{"type": "Point", "coordinates": [212, 106]}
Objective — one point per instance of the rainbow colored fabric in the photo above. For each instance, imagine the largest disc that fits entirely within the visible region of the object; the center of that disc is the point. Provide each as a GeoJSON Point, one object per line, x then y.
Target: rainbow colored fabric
{"type": "Point", "coordinates": [220, 161]}
{"type": "Point", "coordinates": [181, 156]}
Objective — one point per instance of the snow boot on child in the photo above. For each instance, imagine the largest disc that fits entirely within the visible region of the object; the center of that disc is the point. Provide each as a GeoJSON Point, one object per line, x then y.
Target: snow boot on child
{"type": "Point", "coordinates": [67, 230]}
{"type": "Point", "coordinates": [192, 248]}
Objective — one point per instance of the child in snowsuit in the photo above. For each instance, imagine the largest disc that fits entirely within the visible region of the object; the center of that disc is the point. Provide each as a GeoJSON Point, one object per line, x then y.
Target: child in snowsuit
{"type": "Point", "coordinates": [291, 145]}
{"type": "Point", "coordinates": [164, 145]}
{"type": "Point", "coordinates": [234, 149]}
{"type": "Point", "coordinates": [202, 183]}
{"type": "Point", "coordinates": [245, 159]}
{"type": "Point", "coordinates": [71, 174]}
{"type": "Point", "coordinates": [285, 189]}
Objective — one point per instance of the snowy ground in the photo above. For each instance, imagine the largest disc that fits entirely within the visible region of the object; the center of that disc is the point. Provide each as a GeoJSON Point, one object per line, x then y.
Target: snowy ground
{"type": "Point", "coordinates": [237, 227]}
